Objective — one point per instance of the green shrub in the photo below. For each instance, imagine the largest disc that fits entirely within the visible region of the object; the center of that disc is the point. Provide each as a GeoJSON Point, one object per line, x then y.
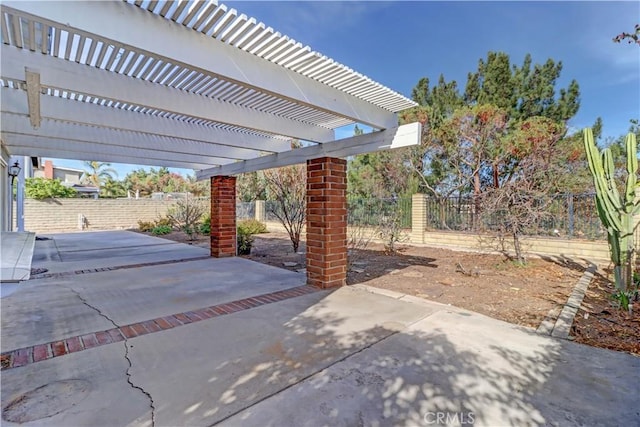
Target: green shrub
{"type": "Point", "coordinates": [186, 215]}
{"type": "Point", "coordinates": [146, 225]}
{"type": "Point", "coordinates": [42, 188]}
{"type": "Point", "coordinates": [252, 226]}
{"type": "Point", "coordinates": [163, 221]}
{"type": "Point", "coordinates": [161, 229]}
{"type": "Point", "coordinates": [244, 240]}
{"type": "Point", "coordinates": [205, 227]}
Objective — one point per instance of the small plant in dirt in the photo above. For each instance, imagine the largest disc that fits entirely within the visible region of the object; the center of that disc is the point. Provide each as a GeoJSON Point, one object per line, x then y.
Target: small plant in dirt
{"type": "Point", "coordinates": [161, 230]}
{"type": "Point", "coordinates": [186, 215]}
{"type": "Point", "coordinates": [253, 226]}
{"type": "Point", "coordinates": [205, 227]}
{"type": "Point", "coordinates": [287, 187]}
{"type": "Point", "coordinates": [146, 226]}
{"type": "Point", "coordinates": [163, 220]}
{"type": "Point", "coordinates": [358, 239]}
{"type": "Point", "coordinates": [244, 237]}
{"type": "Point", "coordinates": [391, 232]}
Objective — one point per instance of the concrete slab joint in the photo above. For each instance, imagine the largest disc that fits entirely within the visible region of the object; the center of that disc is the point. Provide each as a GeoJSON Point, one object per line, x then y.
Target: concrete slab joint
{"type": "Point", "coordinates": [326, 222]}
{"type": "Point", "coordinates": [223, 216]}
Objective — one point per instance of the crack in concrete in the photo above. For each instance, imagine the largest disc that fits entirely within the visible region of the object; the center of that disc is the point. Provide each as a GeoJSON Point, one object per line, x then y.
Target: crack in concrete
{"type": "Point", "coordinates": [126, 353]}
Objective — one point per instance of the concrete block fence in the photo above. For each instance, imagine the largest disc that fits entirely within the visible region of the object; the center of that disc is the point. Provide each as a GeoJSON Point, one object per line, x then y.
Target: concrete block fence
{"type": "Point", "coordinates": [56, 215]}
{"type": "Point", "coordinates": [46, 216]}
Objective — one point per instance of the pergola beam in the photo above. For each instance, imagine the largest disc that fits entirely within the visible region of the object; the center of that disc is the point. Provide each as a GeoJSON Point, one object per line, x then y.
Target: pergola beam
{"type": "Point", "coordinates": [33, 97]}
{"type": "Point", "coordinates": [401, 136]}
{"type": "Point", "coordinates": [15, 124]}
{"type": "Point", "coordinates": [82, 79]}
{"type": "Point", "coordinates": [161, 38]}
{"type": "Point", "coordinates": [28, 145]}
{"type": "Point", "coordinates": [60, 109]}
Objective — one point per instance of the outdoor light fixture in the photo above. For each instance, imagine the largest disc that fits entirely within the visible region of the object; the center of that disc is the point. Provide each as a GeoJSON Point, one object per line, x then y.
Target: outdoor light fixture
{"type": "Point", "coordinates": [14, 170]}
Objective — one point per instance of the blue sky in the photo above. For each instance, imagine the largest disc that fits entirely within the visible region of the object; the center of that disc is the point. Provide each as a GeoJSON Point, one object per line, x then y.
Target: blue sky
{"type": "Point", "coordinates": [397, 43]}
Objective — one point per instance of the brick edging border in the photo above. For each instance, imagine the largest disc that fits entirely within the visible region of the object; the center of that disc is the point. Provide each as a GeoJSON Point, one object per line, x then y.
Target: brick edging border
{"type": "Point", "coordinates": [39, 352]}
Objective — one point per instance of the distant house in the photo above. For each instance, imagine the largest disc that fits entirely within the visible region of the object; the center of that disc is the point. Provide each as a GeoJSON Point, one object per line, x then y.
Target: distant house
{"type": "Point", "coordinates": [68, 177]}
{"type": "Point", "coordinates": [65, 175]}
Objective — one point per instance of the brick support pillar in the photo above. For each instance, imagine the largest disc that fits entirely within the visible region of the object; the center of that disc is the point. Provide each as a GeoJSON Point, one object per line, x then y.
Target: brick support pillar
{"type": "Point", "coordinates": [223, 216]}
{"type": "Point", "coordinates": [327, 222]}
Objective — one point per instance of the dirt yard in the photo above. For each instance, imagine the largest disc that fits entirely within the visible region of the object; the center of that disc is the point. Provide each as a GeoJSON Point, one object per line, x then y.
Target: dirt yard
{"type": "Point", "coordinates": [487, 284]}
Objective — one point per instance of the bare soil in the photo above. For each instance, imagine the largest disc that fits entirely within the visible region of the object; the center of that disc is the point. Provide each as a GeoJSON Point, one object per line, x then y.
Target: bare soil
{"type": "Point", "coordinates": [485, 283]}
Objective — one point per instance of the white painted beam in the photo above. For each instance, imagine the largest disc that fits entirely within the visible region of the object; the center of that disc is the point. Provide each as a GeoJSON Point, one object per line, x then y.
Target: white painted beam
{"type": "Point", "coordinates": [15, 102]}
{"type": "Point", "coordinates": [401, 136]}
{"type": "Point", "coordinates": [33, 97]}
{"type": "Point", "coordinates": [165, 39]}
{"type": "Point", "coordinates": [26, 145]}
{"type": "Point", "coordinates": [165, 147]}
{"type": "Point", "coordinates": [83, 79]}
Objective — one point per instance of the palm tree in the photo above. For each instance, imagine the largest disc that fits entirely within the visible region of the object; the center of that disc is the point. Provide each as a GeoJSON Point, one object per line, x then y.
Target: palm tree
{"type": "Point", "coordinates": [112, 188]}
{"type": "Point", "coordinates": [96, 173]}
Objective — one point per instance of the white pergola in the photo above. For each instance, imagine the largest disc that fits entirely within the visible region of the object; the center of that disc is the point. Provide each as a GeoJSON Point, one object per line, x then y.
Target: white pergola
{"type": "Point", "coordinates": [188, 84]}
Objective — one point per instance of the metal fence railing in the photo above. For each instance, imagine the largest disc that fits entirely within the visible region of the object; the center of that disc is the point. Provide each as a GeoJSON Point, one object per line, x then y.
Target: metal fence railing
{"type": "Point", "coordinates": [568, 215]}
{"type": "Point", "coordinates": [271, 206]}
{"type": "Point", "coordinates": [245, 210]}
{"type": "Point", "coordinates": [374, 212]}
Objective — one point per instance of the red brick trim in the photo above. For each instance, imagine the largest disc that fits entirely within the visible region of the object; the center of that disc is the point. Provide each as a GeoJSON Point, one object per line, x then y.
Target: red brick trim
{"type": "Point", "coordinates": [39, 352]}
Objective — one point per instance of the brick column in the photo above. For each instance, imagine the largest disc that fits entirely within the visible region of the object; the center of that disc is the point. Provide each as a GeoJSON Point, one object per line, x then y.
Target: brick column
{"type": "Point", "coordinates": [327, 222]}
{"type": "Point", "coordinates": [223, 216]}
{"type": "Point", "coordinates": [48, 169]}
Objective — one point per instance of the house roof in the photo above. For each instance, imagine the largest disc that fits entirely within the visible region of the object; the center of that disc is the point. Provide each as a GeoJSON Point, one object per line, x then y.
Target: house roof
{"type": "Point", "coordinates": [172, 83]}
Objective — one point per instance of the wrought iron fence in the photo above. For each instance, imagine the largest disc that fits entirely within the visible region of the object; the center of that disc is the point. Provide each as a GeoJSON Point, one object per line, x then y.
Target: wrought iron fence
{"type": "Point", "coordinates": [245, 210]}
{"type": "Point", "coordinates": [376, 211]}
{"type": "Point", "coordinates": [271, 206]}
{"type": "Point", "coordinates": [570, 216]}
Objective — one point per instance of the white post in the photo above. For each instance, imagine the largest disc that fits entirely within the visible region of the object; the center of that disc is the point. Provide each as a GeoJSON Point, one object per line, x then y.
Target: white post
{"type": "Point", "coordinates": [260, 212]}
{"type": "Point", "coordinates": [10, 186]}
{"type": "Point", "coordinates": [24, 172]}
{"type": "Point", "coordinates": [418, 217]}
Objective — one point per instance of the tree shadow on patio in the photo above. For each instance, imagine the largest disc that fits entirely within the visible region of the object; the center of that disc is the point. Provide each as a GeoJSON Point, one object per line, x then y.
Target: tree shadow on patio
{"type": "Point", "coordinates": [321, 367]}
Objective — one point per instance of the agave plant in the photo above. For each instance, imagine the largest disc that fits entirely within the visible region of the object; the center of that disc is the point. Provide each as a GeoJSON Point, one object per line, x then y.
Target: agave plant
{"type": "Point", "coordinates": [616, 211]}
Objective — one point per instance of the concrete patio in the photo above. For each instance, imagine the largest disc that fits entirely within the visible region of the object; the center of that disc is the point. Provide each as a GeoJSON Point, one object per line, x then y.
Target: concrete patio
{"type": "Point", "coordinates": [130, 330]}
{"type": "Point", "coordinates": [16, 250]}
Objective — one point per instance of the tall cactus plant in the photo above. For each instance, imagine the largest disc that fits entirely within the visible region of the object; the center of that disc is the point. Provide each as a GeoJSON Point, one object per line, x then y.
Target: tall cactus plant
{"type": "Point", "coordinates": [616, 211]}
